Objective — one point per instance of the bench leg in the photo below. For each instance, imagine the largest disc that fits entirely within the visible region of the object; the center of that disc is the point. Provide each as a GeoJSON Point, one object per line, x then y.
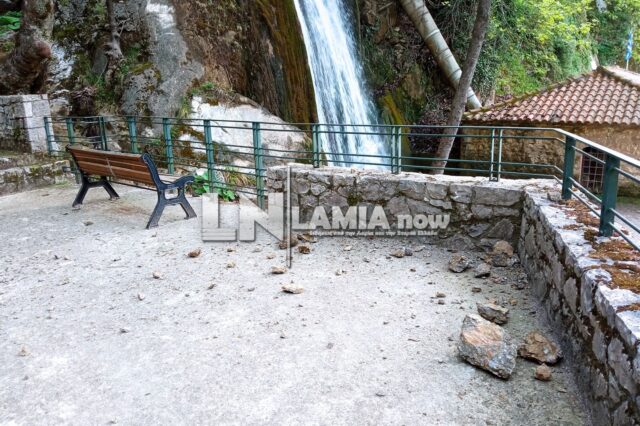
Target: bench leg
{"type": "Point", "coordinates": [107, 187]}
{"type": "Point", "coordinates": [157, 211]}
{"type": "Point", "coordinates": [184, 203]}
{"type": "Point", "coordinates": [86, 184]}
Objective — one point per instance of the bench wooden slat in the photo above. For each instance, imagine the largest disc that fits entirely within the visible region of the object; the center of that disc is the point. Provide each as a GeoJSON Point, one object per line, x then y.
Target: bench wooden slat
{"type": "Point", "coordinates": [117, 172]}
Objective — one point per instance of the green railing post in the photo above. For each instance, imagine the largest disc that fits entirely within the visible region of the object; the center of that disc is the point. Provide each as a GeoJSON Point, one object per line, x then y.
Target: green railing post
{"type": "Point", "coordinates": [393, 150]}
{"type": "Point", "coordinates": [47, 131]}
{"type": "Point", "coordinates": [500, 139]}
{"type": "Point", "coordinates": [257, 158]}
{"type": "Point", "coordinates": [103, 133]}
{"type": "Point", "coordinates": [133, 134]}
{"type": "Point", "coordinates": [569, 162]}
{"type": "Point", "coordinates": [397, 141]}
{"type": "Point", "coordinates": [492, 150]}
{"type": "Point", "coordinates": [71, 134]}
{"type": "Point", "coordinates": [315, 148]}
{"type": "Point", "coordinates": [208, 145]}
{"type": "Point", "coordinates": [166, 132]}
{"type": "Point", "coordinates": [609, 195]}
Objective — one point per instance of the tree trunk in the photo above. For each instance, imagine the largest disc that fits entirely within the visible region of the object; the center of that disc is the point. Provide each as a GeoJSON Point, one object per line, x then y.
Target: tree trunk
{"type": "Point", "coordinates": [24, 68]}
{"type": "Point", "coordinates": [113, 50]}
{"type": "Point", "coordinates": [457, 109]}
{"type": "Point", "coordinates": [428, 29]}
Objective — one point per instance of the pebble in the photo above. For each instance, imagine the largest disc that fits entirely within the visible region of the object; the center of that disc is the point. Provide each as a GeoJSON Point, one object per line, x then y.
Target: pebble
{"type": "Point", "coordinates": [542, 373]}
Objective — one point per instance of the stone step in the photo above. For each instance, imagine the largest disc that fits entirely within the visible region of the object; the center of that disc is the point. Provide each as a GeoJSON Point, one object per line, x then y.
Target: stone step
{"type": "Point", "coordinates": [25, 177]}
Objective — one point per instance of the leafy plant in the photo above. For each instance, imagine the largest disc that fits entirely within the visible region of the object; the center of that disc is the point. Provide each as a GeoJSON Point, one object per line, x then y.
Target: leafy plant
{"type": "Point", "coordinates": [10, 21]}
{"type": "Point", "coordinates": [201, 185]}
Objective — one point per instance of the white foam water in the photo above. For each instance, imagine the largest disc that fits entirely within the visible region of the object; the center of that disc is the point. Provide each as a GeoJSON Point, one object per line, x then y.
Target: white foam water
{"type": "Point", "coordinates": [342, 98]}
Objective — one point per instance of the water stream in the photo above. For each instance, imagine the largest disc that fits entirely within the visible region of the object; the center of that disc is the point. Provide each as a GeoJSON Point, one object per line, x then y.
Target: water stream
{"type": "Point", "coordinates": [338, 78]}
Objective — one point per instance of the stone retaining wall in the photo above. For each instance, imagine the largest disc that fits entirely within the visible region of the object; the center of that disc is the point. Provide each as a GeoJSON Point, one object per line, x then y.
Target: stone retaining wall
{"type": "Point", "coordinates": [601, 338]}
{"type": "Point", "coordinates": [22, 122]}
{"type": "Point", "coordinates": [28, 177]}
{"type": "Point", "coordinates": [587, 313]}
{"type": "Point", "coordinates": [481, 210]}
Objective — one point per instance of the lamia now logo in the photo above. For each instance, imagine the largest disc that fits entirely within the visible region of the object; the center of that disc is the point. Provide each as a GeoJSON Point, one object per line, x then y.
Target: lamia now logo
{"type": "Point", "coordinates": [360, 220]}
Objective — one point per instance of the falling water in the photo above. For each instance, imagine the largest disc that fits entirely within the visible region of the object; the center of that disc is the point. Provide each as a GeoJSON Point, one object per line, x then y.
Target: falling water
{"type": "Point", "coordinates": [338, 79]}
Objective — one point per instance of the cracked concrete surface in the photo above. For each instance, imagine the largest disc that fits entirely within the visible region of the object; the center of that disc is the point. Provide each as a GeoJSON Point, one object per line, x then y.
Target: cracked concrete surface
{"type": "Point", "coordinates": [218, 345]}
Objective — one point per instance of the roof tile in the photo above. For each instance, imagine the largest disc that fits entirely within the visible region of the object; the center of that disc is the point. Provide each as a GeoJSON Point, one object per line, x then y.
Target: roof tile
{"type": "Point", "coordinates": [605, 96]}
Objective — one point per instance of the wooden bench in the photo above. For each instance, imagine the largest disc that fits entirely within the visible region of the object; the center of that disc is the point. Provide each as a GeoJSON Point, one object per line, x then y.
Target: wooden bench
{"type": "Point", "coordinates": [96, 166]}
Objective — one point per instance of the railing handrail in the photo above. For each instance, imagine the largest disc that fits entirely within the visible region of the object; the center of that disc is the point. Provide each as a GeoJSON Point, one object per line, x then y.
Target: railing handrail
{"type": "Point", "coordinates": [396, 160]}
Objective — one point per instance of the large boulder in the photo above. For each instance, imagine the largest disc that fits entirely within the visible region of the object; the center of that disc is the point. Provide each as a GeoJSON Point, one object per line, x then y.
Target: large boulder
{"type": "Point", "coordinates": [488, 346]}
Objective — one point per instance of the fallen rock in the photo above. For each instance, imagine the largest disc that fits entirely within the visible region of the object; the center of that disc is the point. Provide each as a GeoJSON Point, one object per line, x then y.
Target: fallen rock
{"type": "Point", "coordinates": [194, 253]}
{"type": "Point", "coordinates": [278, 270]}
{"type": "Point", "coordinates": [537, 347]}
{"type": "Point", "coordinates": [158, 275]}
{"type": "Point", "coordinates": [141, 296]}
{"type": "Point", "coordinates": [231, 265]}
{"type": "Point", "coordinates": [502, 254]}
{"type": "Point", "coordinates": [404, 251]}
{"type": "Point", "coordinates": [440, 295]}
{"type": "Point", "coordinates": [483, 270]}
{"type": "Point", "coordinates": [494, 313]}
{"type": "Point", "coordinates": [23, 352]}
{"type": "Point", "coordinates": [292, 288]}
{"type": "Point", "coordinates": [542, 373]}
{"type": "Point", "coordinates": [459, 263]}
{"type": "Point", "coordinates": [486, 345]}
{"type": "Point", "coordinates": [285, 243]}
{"type": "Point", "coordinates": [304, 249]}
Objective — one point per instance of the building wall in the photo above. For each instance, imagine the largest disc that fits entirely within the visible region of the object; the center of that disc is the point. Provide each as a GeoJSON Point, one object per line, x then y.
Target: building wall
{"type": "Point", "coordinates": [538, 149]}
{"type": "Point", "coordinates": [22, 122]}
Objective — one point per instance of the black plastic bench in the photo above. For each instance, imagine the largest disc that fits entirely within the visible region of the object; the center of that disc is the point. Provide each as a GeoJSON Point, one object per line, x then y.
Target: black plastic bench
{"type": "Point", "coordinates": [96, 167]}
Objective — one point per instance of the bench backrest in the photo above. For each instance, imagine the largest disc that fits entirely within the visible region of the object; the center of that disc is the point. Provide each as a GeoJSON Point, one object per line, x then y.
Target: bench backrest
{"type": "Point", "coordinates": [131, 167]}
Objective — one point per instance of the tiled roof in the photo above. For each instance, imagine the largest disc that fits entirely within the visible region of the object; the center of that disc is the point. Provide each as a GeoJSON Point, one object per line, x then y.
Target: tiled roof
{"type": "Point", "coordinates": [606, 96]}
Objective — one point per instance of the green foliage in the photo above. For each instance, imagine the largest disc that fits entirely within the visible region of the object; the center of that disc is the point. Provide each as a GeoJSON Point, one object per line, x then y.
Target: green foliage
{"type": "Point", "coordinates": [611, 29]}
{"type": "Point", "coordinates": [530, 44]}
{"type": "Point", "coordinates": [201, 185]}
{"type": "Point", "coordinates": [10, 21]}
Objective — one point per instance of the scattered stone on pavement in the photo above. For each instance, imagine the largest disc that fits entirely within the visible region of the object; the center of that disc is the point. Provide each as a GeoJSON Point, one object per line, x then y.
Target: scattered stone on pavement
{"type": "Point", "coordinates": [157, 275]}
{"type": "Point", "coordinates": [537, 347]}
{"type": "Point", "coordinates": [542, 373]}
{"type": "Point", "coordinates": [494, 313]}
{"type": "Point", "coordinates": [231, 264]}
{"type": "Point", "coordinates": [304, 249]}
{"type": "Point", "coordinates": [23, 352]}
{"type": "Point", "coordinates": [404, 251]}
{"type": "Point", "coordinates": [488, 346]}
{"type": "Point", "coordinates": [483, 270]}
{"type": "Point", "coordinates": [285, 242]}
{"type": "Point", "coordinates": [195, 253]}
{"type": "Point", "coordinates": [292, 288]}
{"type": "Point", "coordinates": [459, 263]}
{"type": "Point", "coordinates": [278, 270]}
{"type": "Point", "coordinates": [502, 254]}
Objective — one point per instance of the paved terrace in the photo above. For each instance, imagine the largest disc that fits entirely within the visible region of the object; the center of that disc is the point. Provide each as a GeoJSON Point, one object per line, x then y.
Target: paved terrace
{"type": "Point", "coordinates": [89, 336]}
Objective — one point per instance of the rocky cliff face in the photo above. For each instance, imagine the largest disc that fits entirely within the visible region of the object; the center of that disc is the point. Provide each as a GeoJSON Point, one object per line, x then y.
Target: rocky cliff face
{"type": "Point", "coordinates": [174, 50]}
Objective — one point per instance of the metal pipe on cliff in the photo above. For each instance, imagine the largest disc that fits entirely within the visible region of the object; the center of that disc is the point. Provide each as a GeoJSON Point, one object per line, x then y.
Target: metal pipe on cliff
{"type": "Point", "coordinates": [428, 29]}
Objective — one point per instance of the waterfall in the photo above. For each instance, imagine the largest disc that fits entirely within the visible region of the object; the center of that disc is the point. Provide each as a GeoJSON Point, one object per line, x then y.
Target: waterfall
{"type": "Point", "coordinates": [338, 79]}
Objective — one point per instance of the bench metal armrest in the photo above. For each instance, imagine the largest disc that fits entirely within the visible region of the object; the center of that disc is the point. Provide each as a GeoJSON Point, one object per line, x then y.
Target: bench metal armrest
{"type": "Point", "coordinates": [180, 183]}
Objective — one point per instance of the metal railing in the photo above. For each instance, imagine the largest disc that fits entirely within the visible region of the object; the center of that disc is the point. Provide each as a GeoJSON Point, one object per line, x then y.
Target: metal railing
{"type": "Point", "coordinates": [234, 154]}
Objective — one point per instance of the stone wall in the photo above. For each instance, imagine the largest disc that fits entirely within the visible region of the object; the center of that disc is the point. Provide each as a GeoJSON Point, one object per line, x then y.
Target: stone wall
{"type": "Point", "coordinates": [482, 211]}
{"type": "Point", "coordinates": [22, 123]}
{"type": "Point", "coordinates": [599, 324]}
